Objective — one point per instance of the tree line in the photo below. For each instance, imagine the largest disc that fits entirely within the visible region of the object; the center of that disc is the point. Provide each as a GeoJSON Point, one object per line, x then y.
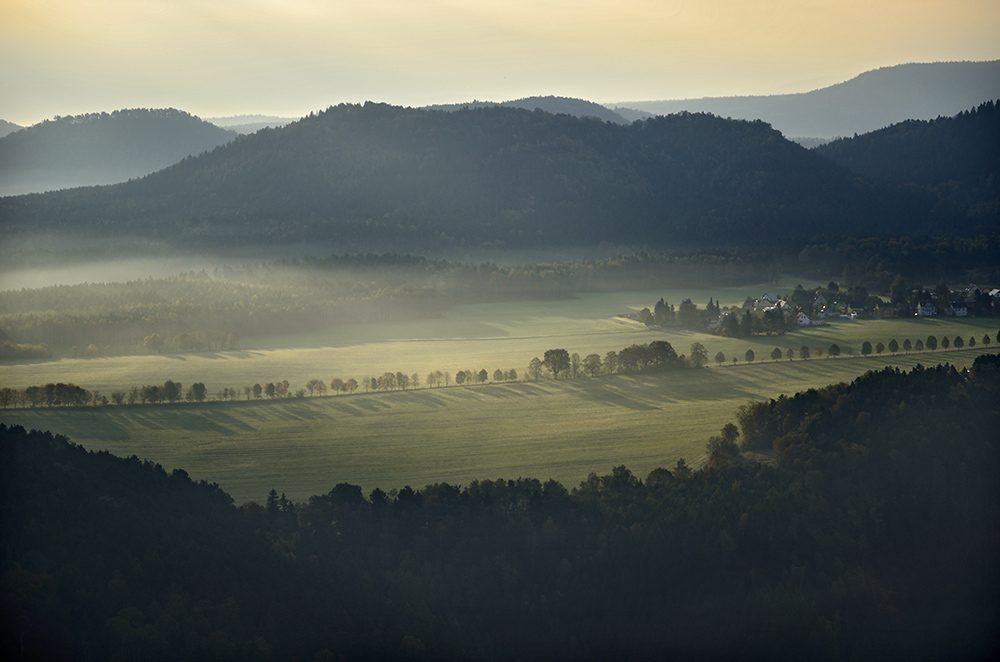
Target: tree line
{"type": "Point", "coordinates": [531, 180]}
{"type": "Point", "coordinates": [656, 355]}
{"type": "Point", "coordinates": [201, 311]}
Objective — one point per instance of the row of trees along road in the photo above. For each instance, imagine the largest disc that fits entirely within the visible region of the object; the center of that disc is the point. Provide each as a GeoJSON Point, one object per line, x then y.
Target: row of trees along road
{"type": "Point", "coordinates": [657, 355]}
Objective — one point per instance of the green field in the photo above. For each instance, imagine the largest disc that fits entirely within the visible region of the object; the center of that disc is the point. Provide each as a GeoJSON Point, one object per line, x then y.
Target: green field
{"type": "Point", "coordinates": [547, 429]}
{"type": "Point", "coordinates": [495, 335]}
{"type": "Point", "coordinates": [541, 429]}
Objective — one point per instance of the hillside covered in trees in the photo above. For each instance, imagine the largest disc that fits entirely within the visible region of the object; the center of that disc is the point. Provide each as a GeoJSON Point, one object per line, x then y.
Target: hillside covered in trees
{"type": "Point", "coordinates": [550, 104]}
{"type": "Point", "coordinates": [870, 537]}
{"type": "Point", "coordinates": [388, 177]}
{"type": "Point", "coordinates": [957, 158]}
{"type": "Point", "coordinates": [7, 128]}
{"type": "Point", "coordinates": [101, 148]}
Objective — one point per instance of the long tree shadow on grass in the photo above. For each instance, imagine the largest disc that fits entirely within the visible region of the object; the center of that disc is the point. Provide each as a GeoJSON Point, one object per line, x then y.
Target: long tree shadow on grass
{"type": "Point", "coordinates": [653, 391]}
{"type": "Point", "coordinates": [495, 391]}
{"type": "Point", "coordinates": [202, 420]}
{"type": "Point", "coordinates": [615, 392]}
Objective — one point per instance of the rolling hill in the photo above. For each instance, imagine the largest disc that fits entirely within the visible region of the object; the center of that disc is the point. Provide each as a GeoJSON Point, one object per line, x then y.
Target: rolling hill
{"type": "Point", "coordinates": [7, 128]}
{"type": "Point", "coordinates": [379, 177]}
{"type": "Point", "coordinates": [870, 101]}
{"type": "Point", "coordinates": [243, 124]}
{"type": "Point", "coordinates": [549, 104]}
{"type": "Point", "coordinates": [101, 148]}
{"type": "Point", "coordinates": [955, 158]}
{"type": "Point", "coordinates": [963, 148]}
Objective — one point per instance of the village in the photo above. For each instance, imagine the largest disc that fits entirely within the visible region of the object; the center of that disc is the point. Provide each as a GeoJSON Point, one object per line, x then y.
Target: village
{"type": "Point", "coordinates": [772, 314]}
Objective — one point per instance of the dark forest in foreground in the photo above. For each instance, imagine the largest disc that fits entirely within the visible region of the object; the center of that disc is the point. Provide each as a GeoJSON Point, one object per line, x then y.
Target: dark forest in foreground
{"type": "Point", "coordinates": [872, 535]}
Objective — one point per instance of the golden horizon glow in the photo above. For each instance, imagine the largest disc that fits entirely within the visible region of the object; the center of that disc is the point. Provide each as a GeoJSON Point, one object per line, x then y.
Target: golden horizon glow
{"type": "Point", "coordinates": [288, 57]}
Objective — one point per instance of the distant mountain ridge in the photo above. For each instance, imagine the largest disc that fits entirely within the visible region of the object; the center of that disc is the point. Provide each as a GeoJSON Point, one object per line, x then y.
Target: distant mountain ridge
{"type": "Point", "coordinates": [244, 124]}
{"type": "Point", "coordinates": [380, 177]}
{"type": "Point", "coordinates": [550, 104]}
{"type": "Point", "coordinates": [868, 102]}
{"type": "Point", "coordinates": [101, 148]}
{"type": "Point", "coordinates": [8, 128]}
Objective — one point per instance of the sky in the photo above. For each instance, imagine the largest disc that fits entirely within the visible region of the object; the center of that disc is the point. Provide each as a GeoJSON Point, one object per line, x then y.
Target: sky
{"type": "Point", "coordinates": [289, 57]}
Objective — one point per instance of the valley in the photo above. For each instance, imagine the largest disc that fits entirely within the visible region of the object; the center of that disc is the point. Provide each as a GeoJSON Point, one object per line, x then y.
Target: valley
{"type": "Point", "coordinates": [561, 429]}
{"type": "Point", "coordinates": [529, 379]}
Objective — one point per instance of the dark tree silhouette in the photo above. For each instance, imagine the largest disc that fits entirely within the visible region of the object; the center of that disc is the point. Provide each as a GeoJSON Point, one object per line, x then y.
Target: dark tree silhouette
{"type": "Point", "coordinates": [556, 360]}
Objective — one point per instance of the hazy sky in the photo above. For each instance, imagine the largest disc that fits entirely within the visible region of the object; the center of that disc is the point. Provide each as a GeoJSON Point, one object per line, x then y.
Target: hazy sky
{"type": "Point", "coordinates": [288, 57]}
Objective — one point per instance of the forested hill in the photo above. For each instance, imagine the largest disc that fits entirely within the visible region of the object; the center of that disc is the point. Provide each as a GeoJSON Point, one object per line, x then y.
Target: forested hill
{"type": "Point", "coordinates": [867, 102]}
{"type": "Point", "coordinates": [550, 104]}
{"type": "Point", "coordinates": [957, 157]}
{"type": "Point", "coordinates": [872, 538]}
{"type": "Point", "coordinates": [7, 128]}
{"type": "Point", "coordinates": [389, 178]}
{"type": "Point", "coordinates": [101, 148]}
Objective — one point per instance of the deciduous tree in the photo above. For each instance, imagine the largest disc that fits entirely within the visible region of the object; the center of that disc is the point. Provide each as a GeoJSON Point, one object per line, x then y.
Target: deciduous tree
{"type": "Point", "coordinates": [611, 362]}
{"type": "Point", "coordinates": [592, 364]}
{"type": "Point", "coordinates": [556, 360]}
{"type": "Point", "coordinates": [154, 343]}
{"type": "Point", "coordinates": [171, 391]}
{"type": "Point", "coordinates": [196, 392]}
{"type": "Point", "coordinates": [699, 355]}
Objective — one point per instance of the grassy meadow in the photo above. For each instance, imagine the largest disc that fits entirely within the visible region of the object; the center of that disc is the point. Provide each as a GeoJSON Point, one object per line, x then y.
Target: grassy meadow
{"type": "Point", "coordinates": [561, 430]}
{"type": "Point", "coordinates": [491, 335]}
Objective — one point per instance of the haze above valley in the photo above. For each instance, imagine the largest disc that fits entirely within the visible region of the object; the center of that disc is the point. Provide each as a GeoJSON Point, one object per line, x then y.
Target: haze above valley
{"type": "Point", "coordinates": [243, 68]}
{"type": "Point", "coordinates": [287, 59]}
